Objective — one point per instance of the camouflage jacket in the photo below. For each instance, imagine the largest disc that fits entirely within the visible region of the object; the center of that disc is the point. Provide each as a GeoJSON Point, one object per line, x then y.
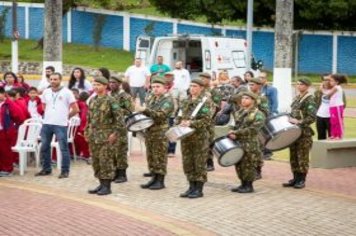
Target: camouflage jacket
{"type": "Point", "coordinates": [159, 109]}
{"type": "Point", "coordinates": [104, 118]}
{"type": "Point", "coordinates": [226, 91]}
{"type": "Point", "coordinates": [203, 118]}
{"type": "Point", "coordinates": [262, 103]}
{"type": "Point", "coordinates": [215, 97]}
{"type": "Point", "coordinates": [304, 109]}
{"type": "Point", "coordinates": [248, 124]}
{"type": "Point", "coordinates": [125, 101]}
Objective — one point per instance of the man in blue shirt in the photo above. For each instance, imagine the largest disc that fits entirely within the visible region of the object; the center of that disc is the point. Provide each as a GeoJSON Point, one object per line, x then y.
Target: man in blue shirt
{"type": "Point", "coordinates": [159, 68]}
{"type": "Point", "coordinates": [272, 95]}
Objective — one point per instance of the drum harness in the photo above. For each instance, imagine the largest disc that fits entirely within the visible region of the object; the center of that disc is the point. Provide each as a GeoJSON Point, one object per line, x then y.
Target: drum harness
{"type": "Point", "coordinates": [196, 110]}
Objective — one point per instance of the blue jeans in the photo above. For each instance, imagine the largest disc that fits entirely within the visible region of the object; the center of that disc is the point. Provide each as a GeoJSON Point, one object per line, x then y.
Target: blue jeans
{"type": "Point", "coordinates": [171, 145]}
{"type": "Point", "coordinates": [47, 133]}
{"type": "Point", "coordinates": [141, 91]}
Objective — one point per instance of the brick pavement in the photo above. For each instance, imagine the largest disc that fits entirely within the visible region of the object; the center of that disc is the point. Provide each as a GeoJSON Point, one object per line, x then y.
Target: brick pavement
{"type": "Point", "coordinates": [326, 207]}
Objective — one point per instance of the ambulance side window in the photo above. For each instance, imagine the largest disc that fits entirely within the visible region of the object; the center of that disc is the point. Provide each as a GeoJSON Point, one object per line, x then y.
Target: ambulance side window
{"type": "Point", "coordinates": [207, 59]}
{"type": "Point", "coordinates": [239, 59]}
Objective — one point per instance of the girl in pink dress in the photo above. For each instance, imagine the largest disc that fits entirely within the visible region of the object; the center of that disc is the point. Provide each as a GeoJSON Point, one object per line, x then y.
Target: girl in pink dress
{"type": "Point", "coordinates": [336, 106]}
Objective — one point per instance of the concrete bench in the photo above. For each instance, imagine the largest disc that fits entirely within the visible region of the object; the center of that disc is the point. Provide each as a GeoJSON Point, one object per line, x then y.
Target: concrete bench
{"type": "Point", "coordinates": [330, 154]}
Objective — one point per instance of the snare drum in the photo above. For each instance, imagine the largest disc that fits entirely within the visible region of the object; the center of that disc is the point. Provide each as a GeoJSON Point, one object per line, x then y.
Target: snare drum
{"type": "Point", "coordinates": [138, 122]}
{"type": "Point", "coordinates": [227, 151]}
{"type": "Point", "coordinates": [279, 133]}
{"type": "Point", "coordinates": [178, 132]}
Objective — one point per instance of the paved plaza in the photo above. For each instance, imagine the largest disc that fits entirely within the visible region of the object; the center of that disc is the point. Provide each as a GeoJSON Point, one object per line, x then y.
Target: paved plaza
{"type": "Point", "coordinates": [50, 206]}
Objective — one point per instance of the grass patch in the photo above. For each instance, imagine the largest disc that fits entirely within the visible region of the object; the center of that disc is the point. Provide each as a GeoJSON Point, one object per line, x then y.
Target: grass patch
{"type": "Point", "coordinates": [350, 132]}
{"type": "Point", "coordinates": [73, 54]}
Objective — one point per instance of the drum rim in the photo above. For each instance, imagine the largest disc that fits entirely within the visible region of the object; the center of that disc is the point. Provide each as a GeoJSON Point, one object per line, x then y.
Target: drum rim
{"type": "Point", "coordinates": [184, 136]}
{"type": "Point", "coordinates": [227, 150]}
{"type": "Point", "coordinates": [136, 121]}
{"type": "Point", "coordinates": [220, 138]}
{"type": "Point", "coordinates": [277, 115]}
{"type": "Point", "coordinates": [133, 115]}
{"type": "Point", "coordinates": [278, 149]}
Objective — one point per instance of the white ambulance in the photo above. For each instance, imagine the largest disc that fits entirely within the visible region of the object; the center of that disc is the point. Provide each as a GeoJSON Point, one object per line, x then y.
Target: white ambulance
{"type": "Point", "coordinates": [198, 53]}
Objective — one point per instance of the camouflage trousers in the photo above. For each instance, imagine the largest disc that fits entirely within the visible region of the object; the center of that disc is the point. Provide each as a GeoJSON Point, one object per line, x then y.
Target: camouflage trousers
{"type": "Point", "coordinates": [211, 132]}
{"type": "Point", "coordinates": [299, 154]}
{"type": "Point", "coordinates": [120, 161]}
{"type": "Point", "coordinates": [246, 168]}
{"type": "Point", "coordinates": [194, 155]}
{"type": "Point", "coordinates": [156, 152]}
{"type": "Point", "coordinates": [103, 157]}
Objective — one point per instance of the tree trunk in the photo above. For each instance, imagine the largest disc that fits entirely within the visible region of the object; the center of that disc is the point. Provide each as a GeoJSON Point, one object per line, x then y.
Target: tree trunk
{"type": "Point", "coordinates": [283, 54]}
{"type": "Point", "coordinates": [52, 40]}
{"type": "Point", "coordinates": [283, 34]}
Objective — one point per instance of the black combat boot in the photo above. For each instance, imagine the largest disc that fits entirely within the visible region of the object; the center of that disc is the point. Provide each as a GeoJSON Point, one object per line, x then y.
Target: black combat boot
{"type": "Point", "coordinates": [149, 183]}
{"type": "Point", "coordinates": [247, 187]}
{"type": "Point", "coordinates": [189, 190]}
{"type": "Point", "coordinates": [148, 174]}
{"type": "Point", "coordinates": [242, 185]}
{"type": "Point", "coordinates": [95, 190]}
{"type": "Point", "coordinates": [197, 191]}
{"type": "Point", "coordinates": [290, 182]}
{"type": "Point", "coordinates": [300, 182]}
{"type": "Point", "coordinates": [106, 187]}
{"type": "Point", "coordinates": [258, 173]}
{"type": "Point", "coordinates": [210, 165]}
{"type": "Point", "coordinates": [116, 174]}
{"type": "Point", "coordinates": [158, 183]}
{"type": "Point", "coordinates": [121, 176]}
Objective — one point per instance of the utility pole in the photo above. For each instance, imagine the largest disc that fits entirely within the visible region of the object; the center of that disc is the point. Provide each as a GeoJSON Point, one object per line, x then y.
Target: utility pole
{"type": "Point", "coordinates": [249, 32]}
{"type": "Point", "coordinates": [283, 54]}
{"type": "Point", "coordinates": [15, 37]}
{"type": "Point", "coordinates": [52, 40]}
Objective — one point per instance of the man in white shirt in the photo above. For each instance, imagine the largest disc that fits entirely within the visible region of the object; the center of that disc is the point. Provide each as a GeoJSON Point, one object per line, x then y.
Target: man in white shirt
{"type": "Point", "coordinates": [181, 78]}
{"type": "Point", "coordinates": [59, 106]}
{"type": "Point", "coordinates": [138, 77]}
{"type": "Point", "coordinates": [45, 83]}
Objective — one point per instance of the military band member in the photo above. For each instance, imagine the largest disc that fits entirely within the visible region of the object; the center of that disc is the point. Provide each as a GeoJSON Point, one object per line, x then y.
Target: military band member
{"type": "Point", "coordinates": [215, 96]}
{"type": "Point", "coordinates": [125, 102]}
{"type": "Point", "coordinates": [196, 146]}
{"type": "Point", "coordinates": [159, 108]}
{"type": "Point", "coordinates": [255, 86]}
{"type": "Point", "coordinates": [303, 114]}
{"type": "Point", "coordinates": [103, 132]}
{"type": "Point", "coordinates": [248, 122]}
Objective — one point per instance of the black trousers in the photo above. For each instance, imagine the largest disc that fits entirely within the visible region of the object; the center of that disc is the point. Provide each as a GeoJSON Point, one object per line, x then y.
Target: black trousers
{"type": "Point", "coordinates": [323, 127]}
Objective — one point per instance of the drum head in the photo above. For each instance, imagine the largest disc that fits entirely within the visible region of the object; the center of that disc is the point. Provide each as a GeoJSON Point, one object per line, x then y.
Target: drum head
{"type": "Point", "coordinates": [283, 138]}
{"type": "Point", "coordinates": [140, 125]}
{"type": "Point", "coordinates": [231, 157]}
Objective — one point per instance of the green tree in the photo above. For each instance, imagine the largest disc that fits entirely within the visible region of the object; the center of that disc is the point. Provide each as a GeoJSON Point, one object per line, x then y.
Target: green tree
{"type": "Point", "coordinates": [308, 14]}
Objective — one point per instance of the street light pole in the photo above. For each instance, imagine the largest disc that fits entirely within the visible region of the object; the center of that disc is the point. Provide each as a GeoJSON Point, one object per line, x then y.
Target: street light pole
{"type": "Point", "coordinates": [15, 37]}
{"type": "Point", "coordinates": [249, 32]}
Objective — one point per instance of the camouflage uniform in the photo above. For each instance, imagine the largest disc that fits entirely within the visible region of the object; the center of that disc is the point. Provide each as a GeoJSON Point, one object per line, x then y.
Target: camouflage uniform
{"type": "Point", "coordinates": [262, 104]}
{"type": "Point", "coordinates": [125, 102]}
{"type": "Point", "coordinates": [247, 127]}
{"type": "Point", "coordinates": [303, 109]}
{"type": "Point", "coordinates": [195, 147]}
{"type": "Point", "coordinates": [216, 98]}
{"type": "Point", "coordinates": [104, 118]}
{"type": "Point", "coordinates": [159, 109]}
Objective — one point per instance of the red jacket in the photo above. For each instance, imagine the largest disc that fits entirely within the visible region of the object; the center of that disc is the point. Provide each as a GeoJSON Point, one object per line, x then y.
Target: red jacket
{"type": "Point", "coordinates": [21, 102]}
{"type": "Point", "coordinates": [11, 115]}
{"type": "Point", "coordinates": [83, 111]}
{"type": "Point", "coordinates": [39, 104]}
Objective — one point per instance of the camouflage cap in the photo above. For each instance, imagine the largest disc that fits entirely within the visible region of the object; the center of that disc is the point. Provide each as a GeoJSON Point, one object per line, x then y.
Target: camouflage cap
{"type": "Point", "coordinates": [198, 81]}
{"type": "Point", "coordinates": [101, 80]}
{"type": "Point", "coordinates": [256, 81]}
{"type": "Point", "coordinates": [305, 81]}
{"type": "Point", "coordinates": [169, 73]}
{"type": "Point", "coordinates": [205, 75]}
{"type": "Point", "coordinates": [249, 94]}
{"type": "Point", "coordinates": [158, 79]}
{"type": "Point", "coordinates": [118, 78]}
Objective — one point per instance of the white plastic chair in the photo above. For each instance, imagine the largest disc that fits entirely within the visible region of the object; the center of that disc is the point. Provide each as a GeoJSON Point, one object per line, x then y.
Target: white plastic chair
{"type": "Point", "coordinates": [130, 138]}
{"type": "Point", "coordinates": [73, 124]}
{"type": "Point", "coordinates": [27, 142]}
